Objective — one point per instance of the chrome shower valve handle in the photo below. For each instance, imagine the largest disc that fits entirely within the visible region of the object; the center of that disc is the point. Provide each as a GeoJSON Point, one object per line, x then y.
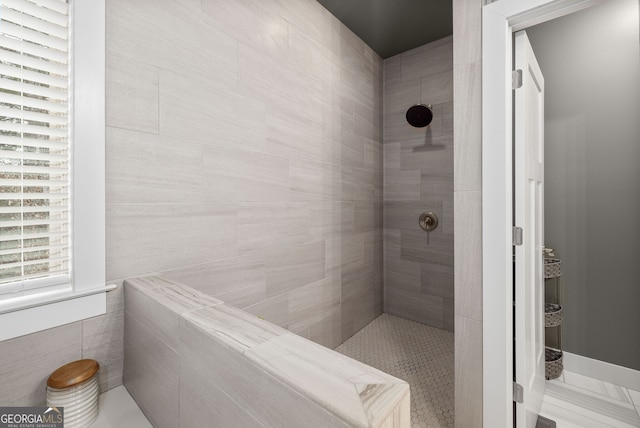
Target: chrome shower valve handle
{"type": "Point", "coordinates": [428, 221]}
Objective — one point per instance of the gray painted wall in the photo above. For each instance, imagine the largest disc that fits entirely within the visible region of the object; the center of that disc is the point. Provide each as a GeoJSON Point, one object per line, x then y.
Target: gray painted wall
{"type": "Point", "coordinates": [591, 65]}
{"type": "Point", "coordinates": [244, 158]}
{"type": "Point", "coordinates": [418, 177]}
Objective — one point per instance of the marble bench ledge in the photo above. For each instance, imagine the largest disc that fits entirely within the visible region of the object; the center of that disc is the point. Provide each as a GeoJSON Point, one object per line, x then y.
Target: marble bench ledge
{"type": "Point", "coordinates": [360, 395]}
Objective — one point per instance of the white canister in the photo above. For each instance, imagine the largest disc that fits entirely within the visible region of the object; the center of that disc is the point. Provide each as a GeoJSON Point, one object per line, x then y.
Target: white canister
{"type": "Point", "coordinates": [74, 387]}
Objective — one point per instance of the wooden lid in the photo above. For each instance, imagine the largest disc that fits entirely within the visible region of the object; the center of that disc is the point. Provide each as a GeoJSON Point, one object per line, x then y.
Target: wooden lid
{"type": "Point", "coordinates": [73, 374]}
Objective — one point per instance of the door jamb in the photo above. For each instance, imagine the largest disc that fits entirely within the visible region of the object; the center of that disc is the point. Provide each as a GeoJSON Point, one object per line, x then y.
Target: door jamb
{"type": "Point", "coordinates": [499, 20]}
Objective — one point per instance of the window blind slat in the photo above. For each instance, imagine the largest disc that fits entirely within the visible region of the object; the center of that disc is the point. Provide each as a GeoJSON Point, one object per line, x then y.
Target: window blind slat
{"type": "Point", "coordinates": [59, 6]}
{"type": "Point", "coordinates": [33, 49]}
{"type": "Point", "coordinates": [32, 142]}
{"type": "Point", "coordinates": [29, 89]}
{"type": "Point", "coordinates": [54, 261]}
{"type": "Point", "coordinates": [20, 209]}
{"type": "Point", "coordinates": [47, 221]}
{"type": "Point", "coordinates": [17, 246]}
{"type": "Point", "coordinates": [14, 237]}
{"type": "Point", "coordinates": [53, 265]}
{"type": "Point", "coordinates": [36, 37]}
{"type": "Point", "coordinates": [32, 129]}
{"type": "Point", "coordinates": [32, 169]}
{"type": "Point", "coordinates": [54, 197]}
{"type": "Point", "coordinates": [53, 238]}
{"type": "Point", "coordinates": [55, 248]}
{"type": "Point", "coordinates": [33, 249]}
{"type": "Point", "coordinates": [33, 76]}
{"type": "Point", "coordinates": [20, 155]}
{"type": "Point", "coordinates": [35, 103]}
{"type": "Point", "coordinates": [28, 21]}
{"type": "Point", "coordinates": [34, 196]}
{"type": "Point", "coordinates": [34, 63]}
{"type": "Point", "coordinates": [33, 116]}
{"type": "Point", "coordinates": [32, 183]}
{"type": "Point", "coordinates": [32, 9]}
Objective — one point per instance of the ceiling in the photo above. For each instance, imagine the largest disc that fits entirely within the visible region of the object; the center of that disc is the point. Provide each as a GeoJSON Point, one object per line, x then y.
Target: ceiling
{"type": "Point", "coordinates": [390, 27]}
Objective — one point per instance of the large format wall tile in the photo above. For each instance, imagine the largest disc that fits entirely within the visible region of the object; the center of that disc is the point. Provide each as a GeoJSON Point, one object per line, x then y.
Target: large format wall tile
{"type": "Point", "coordinates": [153, 169]}
{"type": "Point", "coordinates": [133, 87]}
{"type": "Point", "coordinates": [257, 179]}
{"type": "Point", "coordinates": [289, 268]}
{"type": "Point", "coordinates": [401, 185]}
{"type": "Point", "coordinates": [255, 392]}
{"type": "Point", "coordinates": [333, 219]}
{"type": "Point", "coordinates": [428, 60]}
{"type": "Point", "coordinates": [260, 224]}
{"type": "Point", "coordinates": [274, 309]}
{"type": "Point", "coordinates": [156, 237]}
{"type": "Point", "coordinates": [468, 380]}
{"type": "Point", "coordinates": [254, 23]}
{"type": "Point", "coordinates": [310, 304]}
{"type": "Point", "coordinates": [243, 157]}
{"type": "Point", "coordinates": [103, 341]}
{"type": "Point", "coordinates": [151, 372]}
{"type": "Point", "coordinates": [198, 390]}
{"type": "Point", "coordinates": [239, 281]}
{"type": "Point", "coordinates": [418, 177]}
{"type": "Point", "coordinates": [469, 274]}
{"type": "Point", "coordinates": [419, 307]}
{"type": "Point", "coordinates": [27, 362]}
{"type": "Point", "coordinates": [189, 47]}
{"type": "Point", "coordinates": [467, 88]}
{"type": "Point", "coordinates": [205, 111]}
{"type": "Point", "coordinates": [152, 364]}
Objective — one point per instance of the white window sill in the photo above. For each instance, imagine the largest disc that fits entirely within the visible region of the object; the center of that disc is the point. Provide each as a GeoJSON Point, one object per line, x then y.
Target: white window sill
{"type": "Point", "coordinates": [62, 310]}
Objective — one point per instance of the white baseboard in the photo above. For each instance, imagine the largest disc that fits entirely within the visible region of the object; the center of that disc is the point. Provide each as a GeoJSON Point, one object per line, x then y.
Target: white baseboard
{"type": "Point", "coordinates": [606, 372]}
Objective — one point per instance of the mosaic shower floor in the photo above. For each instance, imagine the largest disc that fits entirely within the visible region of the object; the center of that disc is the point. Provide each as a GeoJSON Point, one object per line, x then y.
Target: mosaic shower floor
{"type": "Point", "coordinates": [419, 354]}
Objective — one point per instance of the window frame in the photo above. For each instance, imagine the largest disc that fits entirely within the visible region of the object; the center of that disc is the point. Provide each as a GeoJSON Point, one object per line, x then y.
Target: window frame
{"type": "Point", "coordinates": [85, 295]}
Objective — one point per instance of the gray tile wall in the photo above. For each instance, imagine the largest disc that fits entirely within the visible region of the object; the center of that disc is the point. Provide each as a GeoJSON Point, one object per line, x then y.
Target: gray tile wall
{"type": "Point", "coordinates": [467, 96]}
{"type": "Point", "coordinates": [244, 158]}
{"type": "Point", "coordinates": [418, 177]}
{"type": "Point", "coordinates": [27, 361]}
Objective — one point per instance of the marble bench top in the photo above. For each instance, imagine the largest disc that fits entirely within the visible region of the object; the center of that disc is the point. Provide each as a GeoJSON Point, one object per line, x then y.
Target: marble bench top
{"type": "Point", "coordinates": [359, 394]}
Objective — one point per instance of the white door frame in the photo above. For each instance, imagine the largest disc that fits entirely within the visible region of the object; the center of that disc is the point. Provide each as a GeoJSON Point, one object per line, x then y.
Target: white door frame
{"type": "Point", "coordinates": [499, 20]}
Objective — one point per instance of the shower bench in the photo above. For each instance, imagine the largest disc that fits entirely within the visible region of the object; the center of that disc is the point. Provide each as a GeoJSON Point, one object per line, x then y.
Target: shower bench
{"type": "Point", "coordinates": [192, 360]}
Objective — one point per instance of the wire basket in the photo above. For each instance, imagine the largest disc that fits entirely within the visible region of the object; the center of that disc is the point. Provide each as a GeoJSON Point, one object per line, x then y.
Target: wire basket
{"type": "Point", "coordinates": [552, 315]}
{"type": "Point", "coordinates": [552, 268]}
{"type": "Point", "coordinates": [552, 363]}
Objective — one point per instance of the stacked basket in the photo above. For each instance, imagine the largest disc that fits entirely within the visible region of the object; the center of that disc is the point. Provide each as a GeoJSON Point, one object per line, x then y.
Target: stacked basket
{"type": "Point", "coordinates": [553, 318]}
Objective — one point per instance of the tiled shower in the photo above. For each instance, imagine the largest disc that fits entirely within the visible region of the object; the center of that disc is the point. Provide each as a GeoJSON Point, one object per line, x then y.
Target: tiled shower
{"type": "Point", "coordinates": [418, 177]}
{"type": "Point", "coordinates": [253, 150]}
{"type": "Point", "coordinates": [256, 159]}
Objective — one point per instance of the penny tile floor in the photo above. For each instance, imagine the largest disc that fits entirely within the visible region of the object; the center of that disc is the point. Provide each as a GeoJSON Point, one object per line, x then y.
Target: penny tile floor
{"type": "Point", "coordinates": [416, 353]}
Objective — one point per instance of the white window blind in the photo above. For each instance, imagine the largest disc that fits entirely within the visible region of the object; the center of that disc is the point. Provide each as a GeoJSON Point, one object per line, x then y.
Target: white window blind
{"type": "Point", "coordinates": [34, 146]}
